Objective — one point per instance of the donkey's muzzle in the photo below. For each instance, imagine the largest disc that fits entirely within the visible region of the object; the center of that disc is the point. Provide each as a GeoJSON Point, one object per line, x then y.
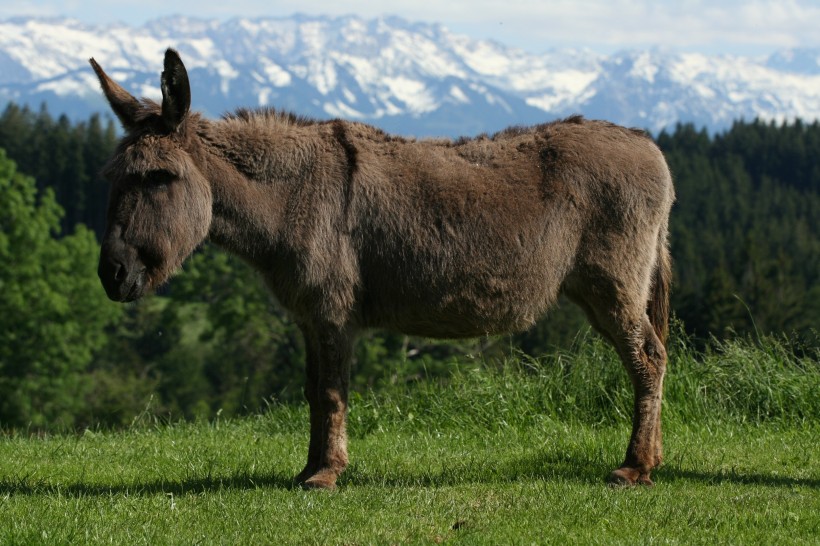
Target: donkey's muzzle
{"type": "Point", "coordinates": [121, 271]}
{"type": "Point", "coordinates": [121, 283]}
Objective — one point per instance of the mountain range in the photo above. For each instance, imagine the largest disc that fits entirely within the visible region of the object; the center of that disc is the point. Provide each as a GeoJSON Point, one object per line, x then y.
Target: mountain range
{"type": "Point", "coordinates": [410, 78]}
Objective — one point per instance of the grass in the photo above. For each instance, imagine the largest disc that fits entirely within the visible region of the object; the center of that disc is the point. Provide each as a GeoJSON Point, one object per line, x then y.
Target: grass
{"type": "Point", "coordinates": [516, 453]}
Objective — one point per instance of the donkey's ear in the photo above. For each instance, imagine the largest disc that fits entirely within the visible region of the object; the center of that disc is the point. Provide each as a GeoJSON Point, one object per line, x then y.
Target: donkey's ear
{"type": "Point", "coordinates": [124, 105]}
{"type": "Point", "coordinates": [176, 91]}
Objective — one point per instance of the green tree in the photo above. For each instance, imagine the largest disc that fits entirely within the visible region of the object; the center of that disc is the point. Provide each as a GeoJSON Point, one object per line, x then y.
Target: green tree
{"type": "Point", "coordinates": [253, 350]}
{"type": "Point", "coordinates": [64, 156]}
{"type": "Point", "coordinates": [744, 232]}
{"type": "Point", "coordinates": [97, 147]}
{"type": "Point", "coordinates": [54, 314]}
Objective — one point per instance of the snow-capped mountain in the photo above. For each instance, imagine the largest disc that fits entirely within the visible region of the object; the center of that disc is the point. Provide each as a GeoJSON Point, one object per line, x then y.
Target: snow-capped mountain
{"type": "Point", "coordinates": [406, 77]}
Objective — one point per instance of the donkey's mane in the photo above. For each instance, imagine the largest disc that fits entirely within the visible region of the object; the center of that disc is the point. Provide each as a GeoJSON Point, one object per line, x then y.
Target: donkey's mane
{"type": "Point", "coordinates": [278, 117]}
{"type": "Point", "coordinates": [270, 115]}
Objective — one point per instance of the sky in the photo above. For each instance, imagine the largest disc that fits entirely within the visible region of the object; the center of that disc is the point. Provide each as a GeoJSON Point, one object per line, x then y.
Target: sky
{"type": "Point", "coordinates": [739, 27]}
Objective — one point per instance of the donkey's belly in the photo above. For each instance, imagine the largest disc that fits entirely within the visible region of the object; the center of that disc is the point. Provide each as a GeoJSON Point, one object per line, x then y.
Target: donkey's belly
{"type": "Point", "coordinates": [463, 311]}
{"type": "Point", "coordinates": [469, 284]}
{"type": "Point", "coordinates": [458, 327]}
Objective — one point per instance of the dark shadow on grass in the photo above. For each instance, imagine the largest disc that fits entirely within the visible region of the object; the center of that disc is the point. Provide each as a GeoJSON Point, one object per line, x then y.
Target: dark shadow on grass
{"type": "Point", "coordinates": [547, 466]}
{"type": "Point", "coordinates": [733, 477]}
{"type": "Point", "coordinates": [188, 486]}
{"type": "Point", "coordinates": [568, 466]}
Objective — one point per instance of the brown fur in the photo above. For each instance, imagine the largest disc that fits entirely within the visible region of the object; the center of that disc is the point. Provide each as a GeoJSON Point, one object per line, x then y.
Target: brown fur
{"type": "Point", "coordinates": [353, 228]}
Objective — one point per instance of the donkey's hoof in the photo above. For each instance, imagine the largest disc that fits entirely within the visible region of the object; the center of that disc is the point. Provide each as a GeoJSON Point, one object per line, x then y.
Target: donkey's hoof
{"type": "Point", "coordinates": [629, 477]}
{"type": "Point", "coordinates": [644, 479]}
{"type": "Point", "coordinates": [323, 479]}
{"type": "Point", "coordinates": [318, 484]}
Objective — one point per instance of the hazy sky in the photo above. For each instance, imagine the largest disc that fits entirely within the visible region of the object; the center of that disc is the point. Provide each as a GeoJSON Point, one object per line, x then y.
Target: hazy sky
{"type": "Point", "coordinates": [748, 27]}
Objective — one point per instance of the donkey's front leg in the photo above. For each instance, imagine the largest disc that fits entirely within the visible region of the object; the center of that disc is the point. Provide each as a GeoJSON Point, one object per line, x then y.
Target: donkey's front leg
{"type": "Point", "coordinates": [312, 366]}
{"type": "Point", "coordinates": [328, 378]}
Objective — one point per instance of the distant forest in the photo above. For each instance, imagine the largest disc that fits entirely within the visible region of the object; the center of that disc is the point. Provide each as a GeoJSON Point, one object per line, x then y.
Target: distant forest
{"type": "Point", "coordinates": [745, 238]}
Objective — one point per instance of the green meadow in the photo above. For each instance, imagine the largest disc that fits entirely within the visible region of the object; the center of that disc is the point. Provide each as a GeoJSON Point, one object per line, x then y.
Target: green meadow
{"type": "Point", "coordinates": [508, 452]}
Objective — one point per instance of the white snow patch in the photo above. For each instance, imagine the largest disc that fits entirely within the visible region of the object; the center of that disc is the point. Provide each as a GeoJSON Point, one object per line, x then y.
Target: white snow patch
{"type": "Point", "coordinates": [565, 82]}
{"type": "Point", "coordinates": [342, 110]}
{"type": "Point", "coordinates": [424, 54]}
{"type": "Point", "coordinates": [458, 94]}
{"type": "Point", "coordinates": [348, 95]}
{"type": "Point", "coordinates": [224, 69]}
{"type": "Point", "coordinates": [145, 47]}
{"type": "Point", "coordinates": [704, 91]}
{"type": "Point", "coordinates": [206, 50]}
{"type": "Point", "coordinates": [689, 66]}
{"type": "Point", "coordinates": [356, 32]}
{"type": "Point", "coordinates": [485, 58]}
{"type": "Point", "coordinates": [313, 36]}
{"type": "Point", "coordinates": [322, 75]}
{"type": "Point", "coordinates": [644, 68]}
{"type": "Point", "coordinates": [149, 91]}
{"type": "Point", "coordinates": [411, 92]}
{"type": "Point", "coordinates": [275, 74]}
{"type": "Point", "coordinates": [363, 70]}
{"type": "Point", "coordinates": [62, 87]}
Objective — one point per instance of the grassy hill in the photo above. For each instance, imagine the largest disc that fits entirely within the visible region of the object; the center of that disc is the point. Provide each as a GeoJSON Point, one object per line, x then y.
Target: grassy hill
{"type": "Point", "coordinates": [508, 453]}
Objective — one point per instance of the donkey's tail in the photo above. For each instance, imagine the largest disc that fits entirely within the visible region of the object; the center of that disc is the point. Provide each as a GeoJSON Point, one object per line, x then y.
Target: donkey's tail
{"type": "Point", "coordinates": [658, 306]}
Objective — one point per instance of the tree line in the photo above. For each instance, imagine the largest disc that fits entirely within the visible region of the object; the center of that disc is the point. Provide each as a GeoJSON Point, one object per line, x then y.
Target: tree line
{"type": "Point", "coordinates": [744, 234]}
{"type": "Point", "coordinates": [746, 229]}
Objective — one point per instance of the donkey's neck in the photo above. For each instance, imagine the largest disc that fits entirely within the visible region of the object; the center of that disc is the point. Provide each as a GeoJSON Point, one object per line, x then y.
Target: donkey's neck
{"type": "Point", "coordinates": [255, 165]}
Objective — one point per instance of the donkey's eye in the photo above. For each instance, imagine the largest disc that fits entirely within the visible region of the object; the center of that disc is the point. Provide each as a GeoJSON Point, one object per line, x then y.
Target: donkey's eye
{"type": "Point", "coordinates": [158, 179]}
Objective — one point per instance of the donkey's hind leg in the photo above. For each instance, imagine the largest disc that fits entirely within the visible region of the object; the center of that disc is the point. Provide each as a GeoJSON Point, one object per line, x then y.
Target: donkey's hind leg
{"type": "Point", "coordinates": [627, 327]}
{"type": "Point", "coordinates": [644, 357]}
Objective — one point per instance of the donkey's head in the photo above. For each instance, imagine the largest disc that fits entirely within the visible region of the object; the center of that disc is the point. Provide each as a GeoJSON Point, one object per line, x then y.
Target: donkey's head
{"type": "Point", "coordinates": [160, 202]}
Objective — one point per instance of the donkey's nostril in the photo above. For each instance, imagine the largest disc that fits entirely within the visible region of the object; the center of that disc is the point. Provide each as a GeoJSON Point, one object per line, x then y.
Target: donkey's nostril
{"type": "Point", "coordinates": [120, 275]}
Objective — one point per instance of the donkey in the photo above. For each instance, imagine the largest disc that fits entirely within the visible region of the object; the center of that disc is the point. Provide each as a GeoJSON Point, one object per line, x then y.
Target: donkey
{"type": "Point", "coordinates": [353, 228]}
